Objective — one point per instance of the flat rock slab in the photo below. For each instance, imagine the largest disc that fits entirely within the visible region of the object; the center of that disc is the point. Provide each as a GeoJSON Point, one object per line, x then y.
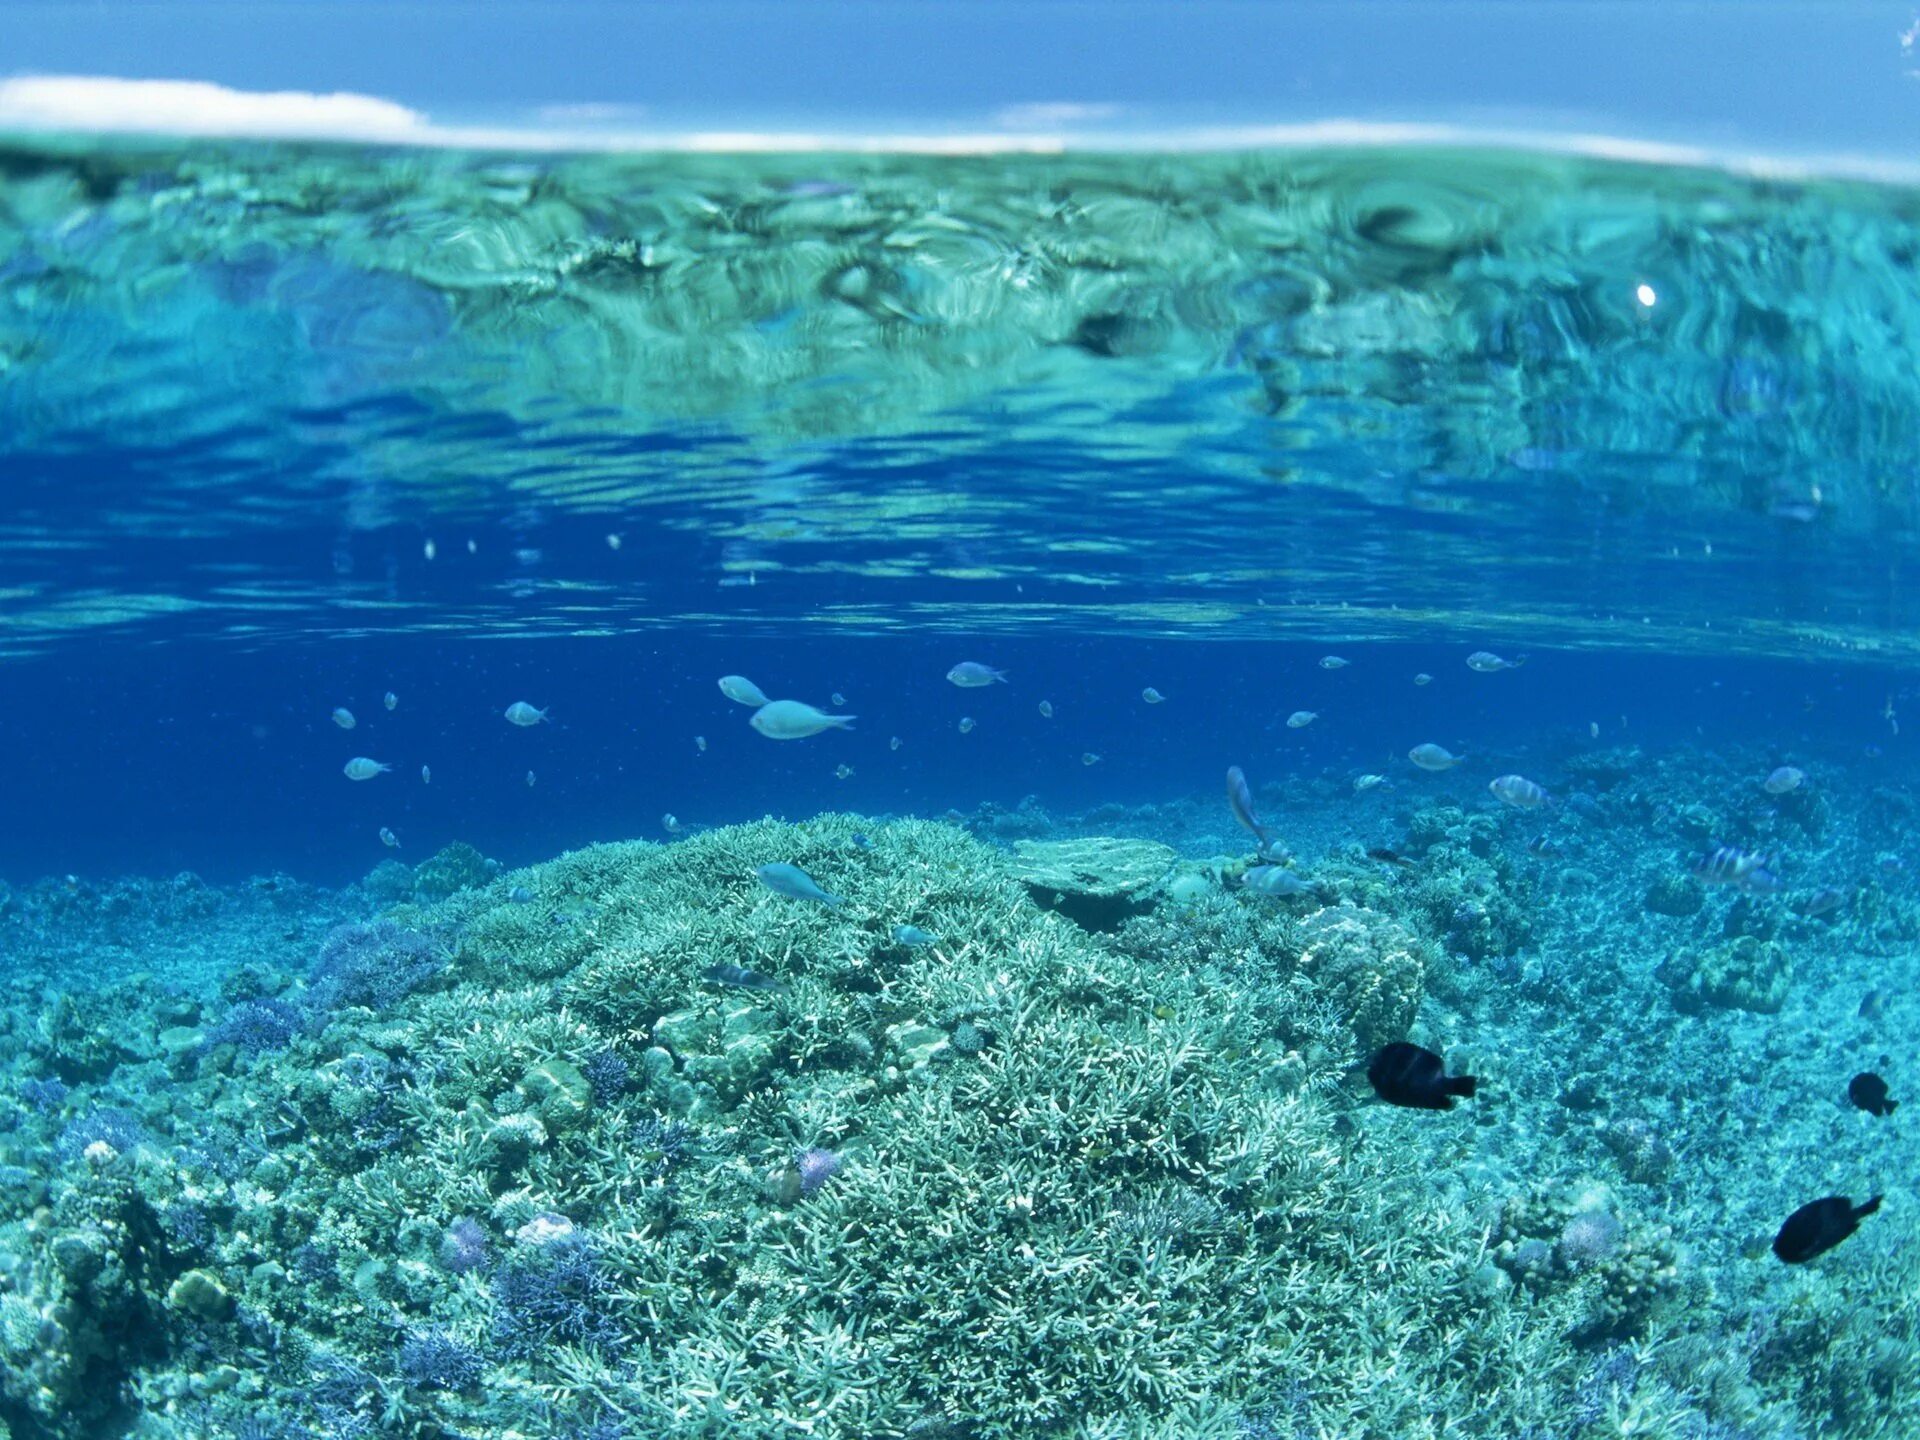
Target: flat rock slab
{"type": "Point", "coordinates": [1096, 882]}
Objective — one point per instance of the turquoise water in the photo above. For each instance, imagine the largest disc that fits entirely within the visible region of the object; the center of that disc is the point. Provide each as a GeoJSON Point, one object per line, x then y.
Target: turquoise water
{"type": "Point", "coordinates": [498, 1094]}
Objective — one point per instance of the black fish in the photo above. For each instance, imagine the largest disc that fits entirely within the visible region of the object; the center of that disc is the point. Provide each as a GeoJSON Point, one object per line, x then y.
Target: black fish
{"type": "Point", "coordinates": [1390, 857]}
{"type": "Point", "coordinates": [1404, 1074]}
{"type": "Point", "coordinates": [1818, 1226]}
{"type": "Point", "coordinates": [1869, 1092]}
{"type": "Point", "coordinates": [742, 977]}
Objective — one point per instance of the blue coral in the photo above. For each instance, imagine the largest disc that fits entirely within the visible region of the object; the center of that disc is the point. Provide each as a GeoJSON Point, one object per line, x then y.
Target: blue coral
{"type": "Point", "coordinates": [258, 1027]}
{"type": "Point", "coordinates": [376, 965]}
{"type": "Point", "coordinates": [119, 1128]}
{"type": "Point", "coordinates": [435, 1360]}
{"type": "Point", "coordinates": [558, 1293]}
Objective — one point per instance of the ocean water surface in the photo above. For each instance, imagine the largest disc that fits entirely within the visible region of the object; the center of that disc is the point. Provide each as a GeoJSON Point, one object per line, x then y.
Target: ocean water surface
{"type": "Point", "coordinates": [501, 1093]}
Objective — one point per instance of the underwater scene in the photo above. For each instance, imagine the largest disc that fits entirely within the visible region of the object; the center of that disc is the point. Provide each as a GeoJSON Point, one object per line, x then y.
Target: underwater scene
{"type": "Point", "coordinates": [1253, 795]}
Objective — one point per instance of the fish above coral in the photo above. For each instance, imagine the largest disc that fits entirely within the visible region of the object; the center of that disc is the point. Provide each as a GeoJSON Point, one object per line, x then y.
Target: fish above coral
{"type": "Point", "coordinates": [1415, 1078]}
{"type": "Point", "coordinates": [1818, 1226]}
{"type": "Point", "coordinates": [795, 720]}
{"type": "Point", "coordinates": [1276, 881]}
{"type": "Point", "coordinates": [795, 884]}
{"type": "Point", "coordinates": [1739, 869]}
{"type": "Point", "coordinates": [741, 978]}
{"type": "Point", "coordinates": [1868, 1092]}
{"type": "Point", "coordinates": [1518, 791]}
{"type": "Point", "coordinates": [1240, 801]}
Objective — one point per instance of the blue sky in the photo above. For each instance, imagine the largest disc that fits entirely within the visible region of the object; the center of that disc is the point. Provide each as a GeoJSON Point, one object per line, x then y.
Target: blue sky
{"type": "Point", "coordinates": [1801, 77]}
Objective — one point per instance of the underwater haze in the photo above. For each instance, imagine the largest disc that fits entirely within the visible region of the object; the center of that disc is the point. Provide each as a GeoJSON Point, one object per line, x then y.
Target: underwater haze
{"type": "Point", "coordinates": [1319, 623]}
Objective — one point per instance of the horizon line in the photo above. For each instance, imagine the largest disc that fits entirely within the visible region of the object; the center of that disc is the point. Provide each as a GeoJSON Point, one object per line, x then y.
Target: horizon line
{"type": "Point", "coordinates": [95, 106]}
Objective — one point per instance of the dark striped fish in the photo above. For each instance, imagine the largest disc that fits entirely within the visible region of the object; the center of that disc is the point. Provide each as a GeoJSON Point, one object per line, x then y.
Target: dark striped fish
{"type": "Point", "coordinates": [1742, 869]}
{"type": "Point", "coordinates": [742, 978]}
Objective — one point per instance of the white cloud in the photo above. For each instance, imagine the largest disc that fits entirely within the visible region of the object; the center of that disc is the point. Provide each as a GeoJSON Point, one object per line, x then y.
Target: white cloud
{"type": "Point", "coordinates": [95, 103]}
{"type": "Point", "coordinates": [103, 104]}
{"type": "Point", "coordinates": [1044, 114]}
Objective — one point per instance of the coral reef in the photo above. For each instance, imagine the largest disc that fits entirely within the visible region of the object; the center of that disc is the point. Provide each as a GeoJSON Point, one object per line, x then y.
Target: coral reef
{"type": "Point", "coordinates": [532, 1158]}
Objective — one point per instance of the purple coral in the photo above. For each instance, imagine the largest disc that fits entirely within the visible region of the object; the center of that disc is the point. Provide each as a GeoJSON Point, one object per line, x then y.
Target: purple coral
{"type": "Point", "coordinates": [1588, 1238]}
{"type": "Point", "coordinates": [464, 1246]}
{"type": "Point", "coordinates": [815, 1166]}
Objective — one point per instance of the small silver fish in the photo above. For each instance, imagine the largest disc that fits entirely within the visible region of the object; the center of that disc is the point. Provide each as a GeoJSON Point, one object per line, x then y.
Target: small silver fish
{"type": "Point", "coordinates": [1423, 678]}
{"type": "Point", "coordinates": [1046, 710]}
{"type": "Point", "coordinates": [1334, 662]}
{"type": "Point", "coordinates": [389, 839]}
{"type": "Point", "coordinates": [742, 691]}
{"type": "Point", "coordinates": [1433, 757]}
{"type": "Point", "coordinates": [530, 779]}
{"type": "Point", "coordinates": [1089, 758]}
{"type": "Point", "coordinates": [343, 717]}
{"type": "Point", "coordinates": [1783, 780]}
{"type": "Point", "coordinates": [390, 700]}
{"type": "Point", "coordinates": [522, 714]}
{"type": "Point", "coordinates": [966, 724]}
{"type": "Point", "coordinates": [1300, 719]}
{"type": "Point", "coordinates": [670, 823]}
{"type": "Point", "coordinates": [1152, 696]}
{"type": "Point", "coordinates": [842, 771]}
{"type": "Point", "coordinates": [972, 675]}
{"type": "Point", "coordinates": [893, 742]}
{"type": "Point", "coordinates": [700, 744]}
{"type": "Point", "coordinates": [794, 883]}
{"type": "Point", "coordinates": [361, 768]}
{"type": "Point", "coordinates": [838, 698]}
{"type": "Point", "coordinates": [1488, 663]}
{"type": "Point", "coordinates": [1364, 783]}
{"type": "Point", "coordinates": [426, 775]}
{"type": "Point", "coordinates": [912, 936]}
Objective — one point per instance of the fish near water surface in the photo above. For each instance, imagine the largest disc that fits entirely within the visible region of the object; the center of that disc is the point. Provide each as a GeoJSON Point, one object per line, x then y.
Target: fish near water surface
{"type": "Point", "coordinates": [742, 691]}
{"type": "Point", "coordinates": [972, 675]}
{"type": "Point", "coordinates": [1485, 662]}
{"type": "Point", "coordinates": [795, 720]}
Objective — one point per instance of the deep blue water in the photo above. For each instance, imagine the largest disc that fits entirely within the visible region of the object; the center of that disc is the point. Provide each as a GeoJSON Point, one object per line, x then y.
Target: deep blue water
{"type": "Point", "coordinates": [165, 758]}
